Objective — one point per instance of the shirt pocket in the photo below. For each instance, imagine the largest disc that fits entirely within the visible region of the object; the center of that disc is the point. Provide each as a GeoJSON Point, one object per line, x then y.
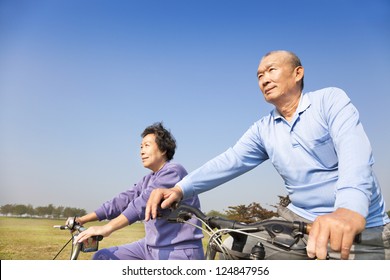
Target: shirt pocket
{"type": "Point", "coordinates": [323, 150]}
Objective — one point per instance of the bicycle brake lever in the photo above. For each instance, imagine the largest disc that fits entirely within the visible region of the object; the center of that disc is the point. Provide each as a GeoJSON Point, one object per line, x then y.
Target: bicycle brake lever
{"type": "Point", "coordinates": [163, 213]}
{"type": "Point", "coordinates": [183, 212]}
{"type": "Point", "coordinates": [178, 216]}
{"type": "Point", "coordinates": [285, 234]}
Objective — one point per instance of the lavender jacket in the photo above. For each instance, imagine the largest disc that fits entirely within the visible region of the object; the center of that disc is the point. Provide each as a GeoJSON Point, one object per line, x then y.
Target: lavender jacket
{"type": "Point", "coordinates": [158, 232]}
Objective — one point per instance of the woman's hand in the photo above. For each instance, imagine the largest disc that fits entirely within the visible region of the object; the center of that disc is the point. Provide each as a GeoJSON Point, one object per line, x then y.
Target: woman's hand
{"type": "Point", "coordinates": [113, 225]}
{"type": "Point", "coordinates": [93, 231]}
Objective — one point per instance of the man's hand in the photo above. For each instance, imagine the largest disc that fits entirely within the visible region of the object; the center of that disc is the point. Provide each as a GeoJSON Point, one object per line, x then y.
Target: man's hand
{"type": "Point", "coordinates": [339, 228]}
{"type": "Point", "coordinates": [164, 196]}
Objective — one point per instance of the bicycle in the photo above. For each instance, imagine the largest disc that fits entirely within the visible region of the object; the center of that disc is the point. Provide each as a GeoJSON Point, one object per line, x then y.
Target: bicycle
{"type": "Point", "coordinates": [286, 236]}
{"type": "Point", "coordinates": [87, 246]}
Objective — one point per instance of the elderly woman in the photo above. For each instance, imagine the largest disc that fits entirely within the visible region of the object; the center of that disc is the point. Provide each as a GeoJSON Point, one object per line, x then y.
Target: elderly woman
{"type": "Point", "coordinates": [162, 240]}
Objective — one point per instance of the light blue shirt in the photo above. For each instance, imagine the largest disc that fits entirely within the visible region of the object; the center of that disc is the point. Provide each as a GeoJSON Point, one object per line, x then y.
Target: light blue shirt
{"type": "Point", "coordinates": [322, 154]}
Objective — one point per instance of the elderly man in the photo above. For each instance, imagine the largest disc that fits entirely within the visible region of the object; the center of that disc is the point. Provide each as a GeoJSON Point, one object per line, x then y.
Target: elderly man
{"type": "Point", "coordinates": [318, 146]}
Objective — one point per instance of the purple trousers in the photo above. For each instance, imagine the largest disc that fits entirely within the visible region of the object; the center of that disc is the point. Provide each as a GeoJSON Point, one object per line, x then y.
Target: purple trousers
{"type": "Point", "coordinates": [140, 251]}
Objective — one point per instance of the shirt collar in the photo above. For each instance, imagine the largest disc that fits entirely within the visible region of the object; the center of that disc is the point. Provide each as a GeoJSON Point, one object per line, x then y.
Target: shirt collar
{"type": "Point", "coordinates": [304, 103]}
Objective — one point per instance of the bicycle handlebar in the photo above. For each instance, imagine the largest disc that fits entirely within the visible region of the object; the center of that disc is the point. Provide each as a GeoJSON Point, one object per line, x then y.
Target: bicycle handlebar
{"type": "Point", "coordinates": [184, 212]}
{"type": "Point", "coordinates": [89, 245]}
{"type": "Point", "coordinates": [281, 233]}
{"type": "Point", "coordinates": [72, 225]}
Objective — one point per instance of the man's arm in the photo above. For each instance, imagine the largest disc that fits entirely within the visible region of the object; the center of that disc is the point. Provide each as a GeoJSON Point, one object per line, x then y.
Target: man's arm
{"type": "Point", "coordinates": [355, 182]}
{"type": "Point", "coordinates": [245, 155]}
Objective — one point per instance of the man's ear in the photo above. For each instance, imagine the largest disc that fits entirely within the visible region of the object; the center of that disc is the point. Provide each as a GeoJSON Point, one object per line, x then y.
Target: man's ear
{"type": "Point", "coordinates": [299, 73]}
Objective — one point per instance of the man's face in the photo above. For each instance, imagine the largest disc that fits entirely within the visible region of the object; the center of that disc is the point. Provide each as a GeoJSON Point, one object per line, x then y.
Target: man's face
{"type": "Point", "coordinates": [277, 78]}
{"type": "Point", "coordinates": [151, 155]}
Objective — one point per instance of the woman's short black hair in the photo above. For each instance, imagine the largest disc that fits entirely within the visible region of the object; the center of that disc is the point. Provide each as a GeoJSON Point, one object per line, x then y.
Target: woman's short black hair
{"type": "Point", "coordinates": [164, 139]}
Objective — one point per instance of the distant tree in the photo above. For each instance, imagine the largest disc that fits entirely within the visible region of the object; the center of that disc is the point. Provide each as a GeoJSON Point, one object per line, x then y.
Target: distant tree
{"type": "Point", "coordinates": [41, 211]}
{"type": "Point", "coordinates": [80, 212]}
{"type": "Point", "coordinates": [214, 213]}
{"type": "Point", "coordinates": [30, 210]}
{"type": "Point", "coordinates": [19, 209]}
{"type": "Point", "coordinates": [71, 212]}
{"type": "Point", "coordinates": [6, 209]}
{"type": "Point", "coordinates": [57, 211]}
{"type": "Point", "coordinates": [260, 213]}
{"type": "Point", "coordinates": [248, 214]}
{"type": "Point", "coordinates": [239, 213]}
{"type": "Point", "coordinates": [49, 211]}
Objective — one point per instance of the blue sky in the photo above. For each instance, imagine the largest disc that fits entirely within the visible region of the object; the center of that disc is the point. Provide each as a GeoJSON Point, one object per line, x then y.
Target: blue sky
{"type": "Point", "coordinates": [80, 80]}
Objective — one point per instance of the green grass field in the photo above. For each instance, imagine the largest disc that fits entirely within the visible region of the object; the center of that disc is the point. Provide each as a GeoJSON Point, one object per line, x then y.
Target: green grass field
{"type": "Point", "coordinates": [36, 239]}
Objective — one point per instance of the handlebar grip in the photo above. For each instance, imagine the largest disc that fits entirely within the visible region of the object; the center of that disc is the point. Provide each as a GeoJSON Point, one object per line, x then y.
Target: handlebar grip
{"type": "Point", "coordinates": [61, 227]}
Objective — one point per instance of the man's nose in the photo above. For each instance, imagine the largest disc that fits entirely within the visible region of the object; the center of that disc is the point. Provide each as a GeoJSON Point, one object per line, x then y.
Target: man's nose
{"type": "Point", "coordinates": [264, 82]}
{"type": "Point", "coordinates": [265, 79]}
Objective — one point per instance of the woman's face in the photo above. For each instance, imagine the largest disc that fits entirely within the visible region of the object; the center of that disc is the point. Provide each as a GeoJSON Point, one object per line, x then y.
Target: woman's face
{"type": "Point", "coordinates": [151, 156]}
